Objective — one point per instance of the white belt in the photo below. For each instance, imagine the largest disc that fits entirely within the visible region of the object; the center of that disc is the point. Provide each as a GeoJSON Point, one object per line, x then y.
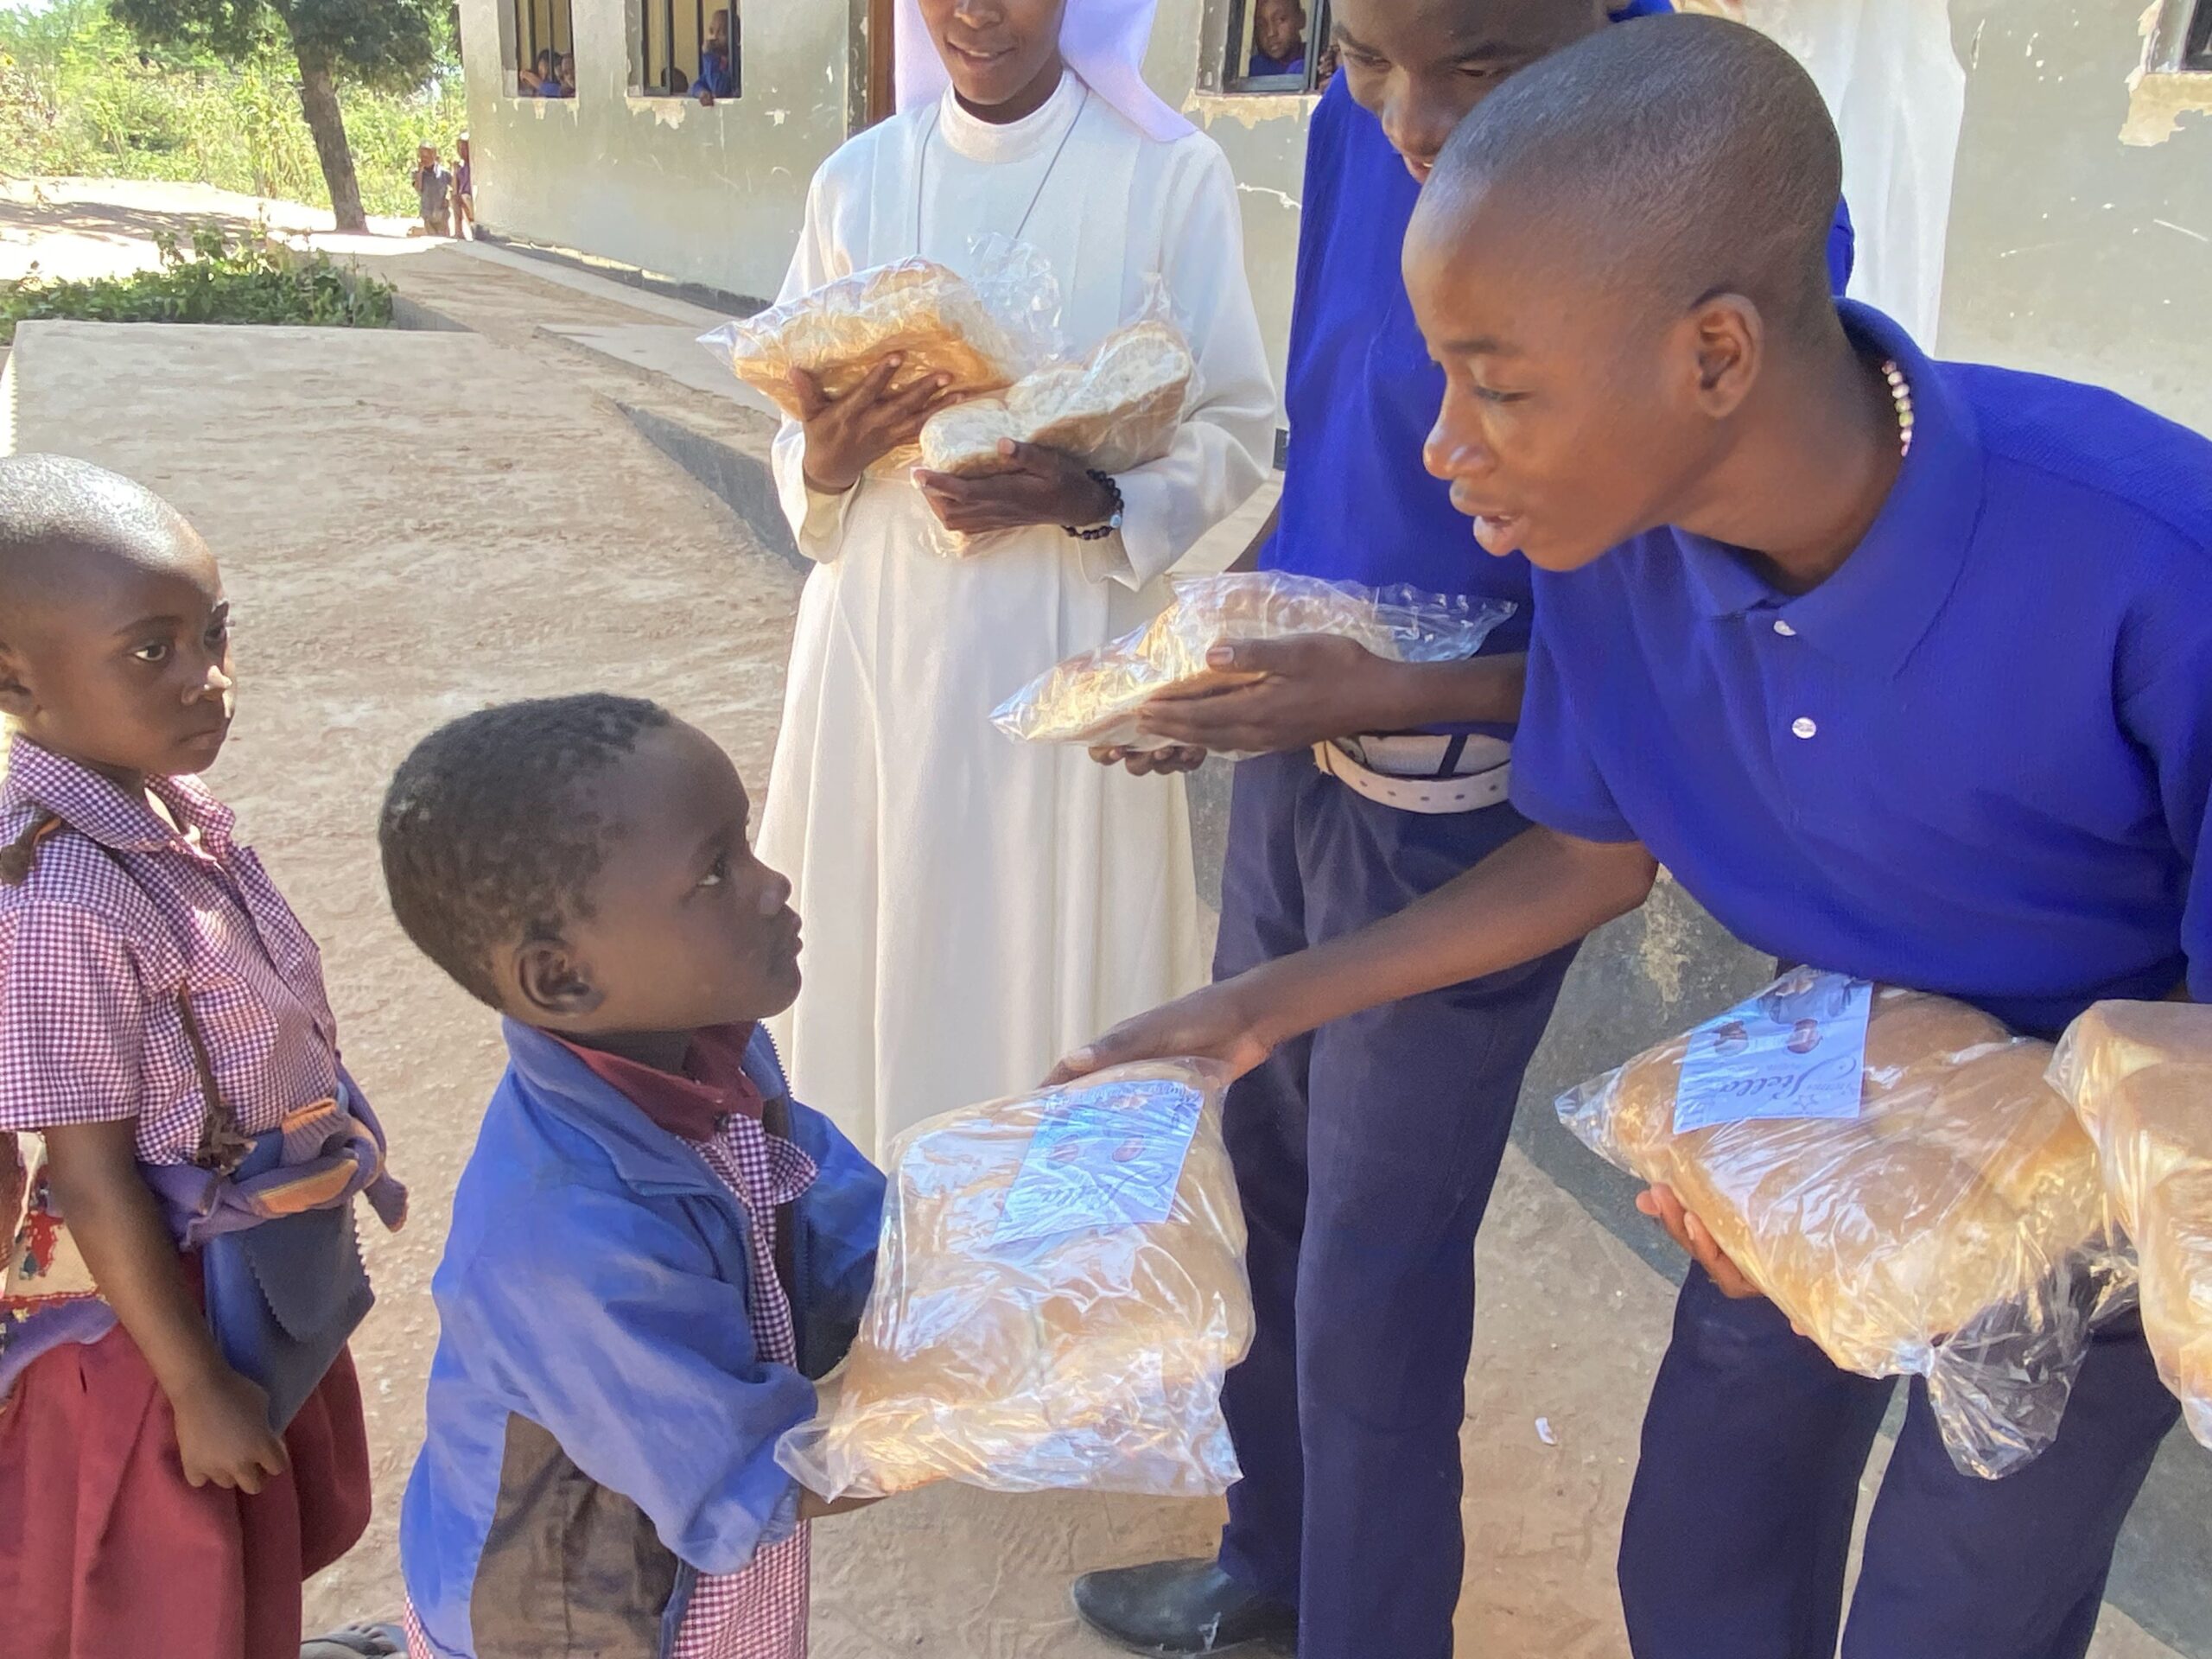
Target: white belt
{"type": "Point", "coordinates": [1401, 772]}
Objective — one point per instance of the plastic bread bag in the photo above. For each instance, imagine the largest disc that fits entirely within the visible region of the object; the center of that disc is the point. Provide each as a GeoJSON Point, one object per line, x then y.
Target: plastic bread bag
{"type": "Point", "coordinates": [981, 333]}
{"type": "Point", "coordinates": [1094, 698]}
{"type": "Point", "coordinates": [1113, 410]}
{"type": "Point", "coordinates": [2139, 1075]}
{"type": "Point", "coordinates": [1059, 1290]}
{"type": "Point", "coordinates": [1891, 1169]}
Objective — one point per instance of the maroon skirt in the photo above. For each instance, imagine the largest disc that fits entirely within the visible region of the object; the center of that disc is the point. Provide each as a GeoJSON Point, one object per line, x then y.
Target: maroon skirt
{"type": "Point", "coordinates": [105, 1548]}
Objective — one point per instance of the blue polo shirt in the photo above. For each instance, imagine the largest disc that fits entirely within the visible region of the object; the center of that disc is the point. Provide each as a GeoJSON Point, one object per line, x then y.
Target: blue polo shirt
{"type": "Point", "coordinates": [1975, 761]}
{"type": "Point", "coordinates": [1360, 392]}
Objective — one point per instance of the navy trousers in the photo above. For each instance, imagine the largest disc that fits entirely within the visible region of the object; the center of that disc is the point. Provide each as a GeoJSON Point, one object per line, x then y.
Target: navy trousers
{"type": "Point", "coordinates": [1365, 1154]}
{"type": "Point", "coordinates": [1740, 1519]}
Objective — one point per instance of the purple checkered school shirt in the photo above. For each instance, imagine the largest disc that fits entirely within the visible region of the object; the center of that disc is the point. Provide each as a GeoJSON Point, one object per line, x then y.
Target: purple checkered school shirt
{"type": "Point", "coordinates": [759, 1610]}
{"type": "Point", "coordinates": [118, 916]}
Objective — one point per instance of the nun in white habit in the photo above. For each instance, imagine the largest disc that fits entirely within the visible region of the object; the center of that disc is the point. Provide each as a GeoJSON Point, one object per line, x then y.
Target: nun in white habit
{"type": "Point", "coordinates": [976, 907]}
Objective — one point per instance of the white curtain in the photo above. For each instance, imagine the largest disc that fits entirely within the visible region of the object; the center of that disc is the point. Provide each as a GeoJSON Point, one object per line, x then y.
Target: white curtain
{"type": "Point", "coordinates": [1893, 82]}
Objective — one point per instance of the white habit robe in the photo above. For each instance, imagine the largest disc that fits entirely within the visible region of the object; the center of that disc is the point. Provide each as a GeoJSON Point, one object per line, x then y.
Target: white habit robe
{"type": "Point", "coordinates": [975, 906]}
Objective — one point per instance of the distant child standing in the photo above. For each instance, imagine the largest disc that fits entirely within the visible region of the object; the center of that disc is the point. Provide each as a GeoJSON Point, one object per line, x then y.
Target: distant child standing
{"type": "Point", "coordinates": [181, 1431]}
{"type": "Point", "coordinates": [434, 192]}
{"type": "Point", "coordinates": [464, 191]}
{"type": "Point", "coordinates": [653, 1247]}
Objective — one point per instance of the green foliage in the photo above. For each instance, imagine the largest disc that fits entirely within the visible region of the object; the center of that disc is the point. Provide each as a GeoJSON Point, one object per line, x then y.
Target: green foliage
{"type": "Point", "coordinates": [391, 45]}
{"type": "Point", "coordinates": [79, 97]}
{"type": "Point", "coordinates": [253, 279]}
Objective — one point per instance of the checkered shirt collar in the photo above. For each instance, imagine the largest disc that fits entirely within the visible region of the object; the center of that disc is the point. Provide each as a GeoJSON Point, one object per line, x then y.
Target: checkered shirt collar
{"type": "Point", "coordinates": [98, 807]}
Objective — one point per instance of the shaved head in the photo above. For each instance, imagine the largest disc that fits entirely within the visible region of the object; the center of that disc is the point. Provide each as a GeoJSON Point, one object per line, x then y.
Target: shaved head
{"type": "Point", "coordinates": [115, 637]}
{"type": "Point", "coordinates": [1620, 261]}
{"type": "Point", "coordinates": [62, 520]}
{"type": "Point", "coordinates": [1685, 157]}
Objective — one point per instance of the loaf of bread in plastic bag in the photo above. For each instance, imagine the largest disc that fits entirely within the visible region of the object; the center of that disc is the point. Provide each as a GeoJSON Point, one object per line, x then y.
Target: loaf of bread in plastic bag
{"type": "Point", "coordinates": [1114, 411]}
{"type": "Point", "coordinates": [1952, 1229]}
{"type": "Point", "coordinates": [934, 318]}
{"type": "Point", "coordinates": [2140, 1076]}
{"type": "Point", "coordinates": [1094, 697]}
{"type": "Point", "coordinates": [1059, 1291]}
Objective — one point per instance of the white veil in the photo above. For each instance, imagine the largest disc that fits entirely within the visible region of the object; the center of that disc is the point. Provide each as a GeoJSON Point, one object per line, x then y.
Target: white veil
{"type": "Point", "coordinates": [1103, 41]}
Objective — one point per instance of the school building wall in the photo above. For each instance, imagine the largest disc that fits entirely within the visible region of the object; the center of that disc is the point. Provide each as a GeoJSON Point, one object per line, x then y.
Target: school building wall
{"type": "Point", "coordinates": [2069, 251]}
{"type": "Point", "coordinates": [707, 195]}
{"type": "Point", "coordinates": [2074, 251]}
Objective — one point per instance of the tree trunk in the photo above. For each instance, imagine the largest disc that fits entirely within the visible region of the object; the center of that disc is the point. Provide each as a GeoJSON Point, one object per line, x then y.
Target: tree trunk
{"type": "Point", "coordinates": [326, 122]}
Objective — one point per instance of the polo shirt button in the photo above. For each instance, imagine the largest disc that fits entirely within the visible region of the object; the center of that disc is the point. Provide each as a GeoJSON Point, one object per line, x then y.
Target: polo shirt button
{"type": "Point", "coordinates": [1784, 629]}
{"type": "Point", "coordinates": [1804, 728]}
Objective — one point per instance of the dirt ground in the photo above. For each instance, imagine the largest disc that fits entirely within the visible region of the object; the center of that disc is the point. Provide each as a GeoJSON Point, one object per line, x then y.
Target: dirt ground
{"type": "Point", "coordinates": [413, 525]}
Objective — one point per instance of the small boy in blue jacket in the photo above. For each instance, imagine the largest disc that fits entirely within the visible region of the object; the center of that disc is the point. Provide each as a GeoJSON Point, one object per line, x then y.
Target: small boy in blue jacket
{"type": "Point", "coordinates": [653, 1246]}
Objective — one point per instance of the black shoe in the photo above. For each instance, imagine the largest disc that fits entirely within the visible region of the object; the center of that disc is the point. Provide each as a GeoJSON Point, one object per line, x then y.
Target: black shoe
{"type": "Point", "coordinates": [1182, 1607]}
{"type": "Point", "coordinates": [358, 1642]}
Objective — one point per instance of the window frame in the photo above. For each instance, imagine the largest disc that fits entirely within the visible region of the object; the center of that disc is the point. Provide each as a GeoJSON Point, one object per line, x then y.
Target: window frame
{"type": "Point", "coordinates": [659, 22]}
{"type": "Point", "coordinates": [2181, 39]}
{"type": "Point", "coordinates": [522, 17]}
{"type": "Point", "coordinates": [1234, 57]}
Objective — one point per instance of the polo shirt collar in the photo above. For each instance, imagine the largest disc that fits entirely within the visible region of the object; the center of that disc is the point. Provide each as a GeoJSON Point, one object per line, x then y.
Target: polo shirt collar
{"type": "Point", "coordinates": [1881, 602]}
{"type": "Point", "coordinates": [100, 808]}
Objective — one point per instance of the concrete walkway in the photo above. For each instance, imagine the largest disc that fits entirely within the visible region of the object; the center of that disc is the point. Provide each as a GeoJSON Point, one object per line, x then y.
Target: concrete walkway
{"type": "Point", "coordinates": [413, 524]}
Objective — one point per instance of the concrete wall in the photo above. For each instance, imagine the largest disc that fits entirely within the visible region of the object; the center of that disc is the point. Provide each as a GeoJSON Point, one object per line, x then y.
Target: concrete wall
{"type": "Point", "coordinates": [712, 196]}
{"type": "Point", "coordinates": [2071, 252]}
{"type": "Point", "coordinates": [1262, 135]}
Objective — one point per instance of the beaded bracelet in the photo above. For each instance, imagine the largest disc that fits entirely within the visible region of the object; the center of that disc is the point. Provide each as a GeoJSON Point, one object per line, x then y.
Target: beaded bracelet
{"type": "Point", "coordinates": [1112, 521]}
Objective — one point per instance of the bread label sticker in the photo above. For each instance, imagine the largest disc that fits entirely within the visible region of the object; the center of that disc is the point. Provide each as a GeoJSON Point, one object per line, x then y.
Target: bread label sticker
{"type": "Point", "coordinates": [1798, 1049]}
{"type": "Point", "coordinates": [1102, 1157]}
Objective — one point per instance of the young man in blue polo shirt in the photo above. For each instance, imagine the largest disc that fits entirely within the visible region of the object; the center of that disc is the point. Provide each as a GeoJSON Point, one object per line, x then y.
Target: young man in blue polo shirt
{"type": "Point", "coordinates": [1365, 1156]}
{"type": "Point", "coordinates": [1903, 669]}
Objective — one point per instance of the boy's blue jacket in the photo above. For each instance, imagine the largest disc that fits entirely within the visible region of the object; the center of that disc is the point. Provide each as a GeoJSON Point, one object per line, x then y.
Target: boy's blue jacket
{"type": "Point", "coordinates": [601, 1430]}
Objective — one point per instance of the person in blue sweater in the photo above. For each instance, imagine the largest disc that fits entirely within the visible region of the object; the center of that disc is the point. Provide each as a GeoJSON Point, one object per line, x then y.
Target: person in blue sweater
{"type": "Point", "coordinates": [653, 1247]}
{"type": "Point", "coordinates": [1366, 1153]}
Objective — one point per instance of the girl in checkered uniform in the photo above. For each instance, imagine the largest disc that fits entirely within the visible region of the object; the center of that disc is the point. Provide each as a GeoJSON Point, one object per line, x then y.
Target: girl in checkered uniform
{"type": "Point", "coordinates": [181, 1431]}
{"type": "Point", "coordinates": [654, 1248]}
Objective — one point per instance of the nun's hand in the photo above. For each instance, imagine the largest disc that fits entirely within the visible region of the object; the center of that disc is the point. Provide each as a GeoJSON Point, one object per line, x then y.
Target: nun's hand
{"type": "Point", "coordinates": [847, 435]}
{"type": "Point", "coordinates": [1033, 486]}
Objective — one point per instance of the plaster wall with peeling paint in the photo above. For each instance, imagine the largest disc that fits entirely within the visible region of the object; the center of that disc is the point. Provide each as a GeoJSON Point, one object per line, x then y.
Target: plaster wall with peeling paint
{"type": "Point", "coordinates": [1262, 135]}
{"type": "Point", "coordinates": [713, 196]}
{"type": "Point", "coordinates": [2074, 250]}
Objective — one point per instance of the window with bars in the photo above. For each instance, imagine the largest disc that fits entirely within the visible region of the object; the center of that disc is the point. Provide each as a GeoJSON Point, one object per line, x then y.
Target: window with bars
{"type": "Point", "coordinates": [1278, 46]}
{"type": "Point", "coordinates": [544, 63]}
{"type": "Point", "coordinates": [689, 48]}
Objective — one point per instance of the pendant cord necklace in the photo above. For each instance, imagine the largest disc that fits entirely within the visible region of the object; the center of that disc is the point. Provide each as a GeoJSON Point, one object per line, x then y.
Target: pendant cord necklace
{"type": "Point", "coordinates": [922, 162]}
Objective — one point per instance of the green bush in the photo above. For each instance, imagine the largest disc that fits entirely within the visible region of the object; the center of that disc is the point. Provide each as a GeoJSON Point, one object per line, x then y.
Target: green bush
{"type": "Point", "coordinates": [253, 280]}
{"type": "Point", "coordinates": [78, 98]}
